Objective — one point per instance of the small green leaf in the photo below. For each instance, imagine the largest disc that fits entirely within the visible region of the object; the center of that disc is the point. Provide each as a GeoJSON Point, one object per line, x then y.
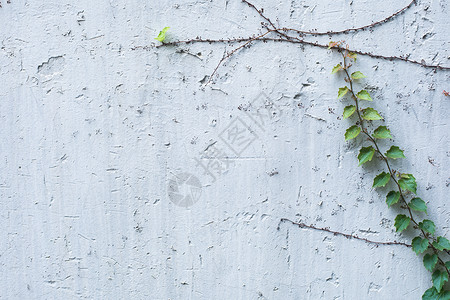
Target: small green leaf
{"type": "Point", "coordinates": [371, 114]}
{"type": "Point", "coordinates": [381, 179]}
{"type": "Point", "coordinates": [418, 204]}
{"type": "Point", "coordinates": [428, 226]}
{"type": "Point", "coordinates": [401, 222]}
{"type": "Point", "coordinates": [336, 68]}
{"type": "Point", "coordinates": [382, 133]}
{"type": "Point", "coordinates": [432, 294]}
{"type": "Point", "coordinates": [357, 75]}
{"type": "Point", "coordinates": [364, 95]}
{"type": "Point", "coordinates": [348, 111]}
{"type": "Point", "coordinates": [441, 243]}
{"type": "Point", "coordinates": [365, 154]}
{"type": "Point", "coordinates": [332, 44]}
{"type": "Point", "coordinates": [342, 92]}
{"type": "Point", "coordinates": [392, 198]}
{"type": "Point", "coordinates": [395, 152]}
{"type": "Point", "coordinates": [439, 279]}
{"type": "Point", "coordinates": [419, 245]}
{"type": "Point", "coordinates": [352, 132]}
{"type": "Point", "coordinates": [162, 35]}
{"type": "Point", "coordinates": [447, 264]}
{"type": "Point", "coordinates": [430, 261]}
{"type": "Point", "coordinates": [408, 183]}
{"type": "Point", "coordinates": [352, 55]}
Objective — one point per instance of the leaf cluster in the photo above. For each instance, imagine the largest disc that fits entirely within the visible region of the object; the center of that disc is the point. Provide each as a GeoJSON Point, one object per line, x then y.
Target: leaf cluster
{"type": "Point", "coordinates": [426, 243]}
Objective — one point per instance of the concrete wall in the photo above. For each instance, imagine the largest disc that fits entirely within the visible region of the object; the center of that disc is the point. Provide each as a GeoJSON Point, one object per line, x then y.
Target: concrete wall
{"type": "Point", "coordinates": [96, 139]}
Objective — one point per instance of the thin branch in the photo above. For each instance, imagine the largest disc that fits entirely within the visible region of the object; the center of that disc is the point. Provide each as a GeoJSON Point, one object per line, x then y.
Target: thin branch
{"type": "Point", "coordinates": [228, 55]}
{"type": "Point", "coordinates": [297, 41]}
{"type": "Point", "coordinates": [349, 236]}
{"type": "Point", "coordinates": [344, 31]}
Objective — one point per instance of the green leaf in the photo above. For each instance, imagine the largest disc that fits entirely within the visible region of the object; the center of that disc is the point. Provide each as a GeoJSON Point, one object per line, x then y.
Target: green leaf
{"type": "Point", "coordinates": [401, 222]}
{"type": "Point", "coordinates": [419, 245]}
{"type": "Point", "coordinates": [371, 114]}
{"type": "Point", "coordinates": [382, 133]}
{"type": "Point", "coordinates": [408, 183]}
{"type": "Point", "coordinates": [395, 152]}
{"type": "Point", "coordinates": [441, 243]}
{"type": "Point", "coordinates": [381, 179]}
{"type": "Point", "coordinates": [332, 44]}
{"type": "Point", "coordinates": [162, 35]}
{"type": "Point", "coordinates": [357, 75]}
{"type": "Point", "coordinates": [352, 55]}
{"type": "Point", "coordinates": [447, 264]}
{"type": "Point", "coordinates": [427, 226]}
{"type": "Point", "coordinates": [444, 295]}
{"type": "Point", "coordinates": [342, 92]}
{"type": "Point", "coordinates": [392, 198]}
{"type": "Point", "coordinates": [439, 278]}
{"type": "Point", "coordinates": [352, 132]}
{"type": "Point", "coordinates": [430, 261]}
{"type": "Point", "coordinates": [336, 68]}
{"type": "Point", "coordinates": [364, 95]}
{"type": "Point", "coordinates": [365, 154]}
{"type": "Point", "coordinates": [348, 111]}
{"type": "Point", "coordinates": [418, 204]}
{"type": "Point", "coordinates": [432, 294]}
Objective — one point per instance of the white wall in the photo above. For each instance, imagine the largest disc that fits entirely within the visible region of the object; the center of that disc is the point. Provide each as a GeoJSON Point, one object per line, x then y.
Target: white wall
{"type": "Point", "coordinates": [92, 133]}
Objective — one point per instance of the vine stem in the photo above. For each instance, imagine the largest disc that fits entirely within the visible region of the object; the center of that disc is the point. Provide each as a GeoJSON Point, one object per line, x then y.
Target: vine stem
{"type": "Point", "coordinates": [349, 236]}
{"type": "Point", "coordinates": [228, 55]}
{"type": "Point", "coordinates": [331, 32]}
{"type": "Point", "coordinates": [385, 159]}
{"type": "Point", "coordinates": [294, 40]}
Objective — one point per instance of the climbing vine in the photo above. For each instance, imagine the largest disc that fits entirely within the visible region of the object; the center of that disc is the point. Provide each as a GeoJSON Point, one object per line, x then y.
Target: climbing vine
{"type": "Point", "coordinates": [431, 247]}
{"type": "Point", "coordinates": [405, 184]}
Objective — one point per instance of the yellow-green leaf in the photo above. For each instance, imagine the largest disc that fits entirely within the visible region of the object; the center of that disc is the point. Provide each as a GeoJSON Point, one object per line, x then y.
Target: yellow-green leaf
{"type": "Point", "coordinates": [342, 92]}
{"type": "Point", "coordinates": [395, 152]}
{"type": "Point", "coordinates": [358, 75]}
{"type": "Point", "coordinates": [382, 132]}
{"type": "Point", "coordinates": [348, 111]}
{"type": "Point", "coordinates": [352, 55]}
{"type": "Point", "coordinates": [162, 35]}
{"type": "Point", "coordinates": [364, 95]}
{"type": "Point", "coordinates": [352, 132]}
{"type": "Point", "coordinates": [336, 68]}
{"type": "Point", "coordinates": [371, 114]}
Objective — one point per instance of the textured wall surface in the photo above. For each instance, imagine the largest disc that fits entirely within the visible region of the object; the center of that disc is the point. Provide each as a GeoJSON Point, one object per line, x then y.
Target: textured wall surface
{"type": "Point", "coordinates": [97, 137]}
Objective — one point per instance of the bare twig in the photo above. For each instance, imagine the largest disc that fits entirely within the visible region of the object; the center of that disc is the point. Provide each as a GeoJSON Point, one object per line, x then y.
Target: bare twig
{"type": "Point", "coordinates": [229, 54]}
{"type": "Point", "coordinates": [349, 236]}
{"type": "Point", "coordinates": [344, 31]}
{"type": "Point", "coordinates": [299, 41]}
